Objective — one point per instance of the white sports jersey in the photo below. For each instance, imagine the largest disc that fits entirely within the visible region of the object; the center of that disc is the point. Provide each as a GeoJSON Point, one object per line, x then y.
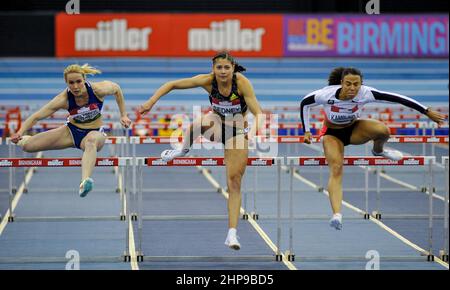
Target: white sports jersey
{"type": "Point", "coordinates": [342, 112]}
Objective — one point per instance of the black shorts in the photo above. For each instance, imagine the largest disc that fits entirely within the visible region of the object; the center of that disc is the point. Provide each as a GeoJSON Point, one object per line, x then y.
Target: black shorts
{"type": "Point", "coordinates": [230, 132]}
{"type": "Point", "coordinates": [343, 134]}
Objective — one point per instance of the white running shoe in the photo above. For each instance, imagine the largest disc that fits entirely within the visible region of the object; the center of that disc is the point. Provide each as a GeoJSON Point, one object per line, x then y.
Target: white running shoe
{"type": "Point", "coordinates": [336, 221]}
{"type": "Point", "coordinates": [232, 242]}
{"type": "Point", "coordinates": [168, 155]}
{"type": "Point", "coordinates": [389, 154]}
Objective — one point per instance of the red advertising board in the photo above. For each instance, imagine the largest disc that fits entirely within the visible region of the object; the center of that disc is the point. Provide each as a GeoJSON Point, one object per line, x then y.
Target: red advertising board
{"type": "Point", "coordinates": [168, 34]}
{"type": "Point", "coordinates": [242, 34]}
{"type": "Point", "coordinates": [111, 34]}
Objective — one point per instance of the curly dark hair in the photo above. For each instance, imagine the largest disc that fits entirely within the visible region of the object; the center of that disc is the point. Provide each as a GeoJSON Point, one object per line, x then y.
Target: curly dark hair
{"type": "Point", "coordinates": [339, 73]}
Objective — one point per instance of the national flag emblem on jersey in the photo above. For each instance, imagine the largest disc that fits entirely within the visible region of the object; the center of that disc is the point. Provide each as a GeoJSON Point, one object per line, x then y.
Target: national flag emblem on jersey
{"type": "Point", "coordinates": [231, 102]}
{"type": "Point", "coordinates": [86, 113]}
{"type": "Point", "coordinates": [84, 109]}
{"type": "Point", "coordinates": [337, 109]}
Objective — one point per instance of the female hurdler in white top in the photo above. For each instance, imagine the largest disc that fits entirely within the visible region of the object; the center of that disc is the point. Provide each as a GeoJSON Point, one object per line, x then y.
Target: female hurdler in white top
{"type": "Point", "coordinates": [342, 101]}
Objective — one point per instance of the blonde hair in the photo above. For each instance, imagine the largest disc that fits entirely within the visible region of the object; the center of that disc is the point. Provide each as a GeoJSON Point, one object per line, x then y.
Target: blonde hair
{"type": "Point", "coordinates": [84, 70]}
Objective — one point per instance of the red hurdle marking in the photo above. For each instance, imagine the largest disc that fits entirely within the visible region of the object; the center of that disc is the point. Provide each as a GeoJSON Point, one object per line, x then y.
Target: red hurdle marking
{"type": "Point", "coordinates": [209, 161]}
{"type": "Point", "coordinates": [291, 139]}
{"type": "Point", "coordinates": [362, 160]}
{"type": "Point", "coordinates": [57, 162]}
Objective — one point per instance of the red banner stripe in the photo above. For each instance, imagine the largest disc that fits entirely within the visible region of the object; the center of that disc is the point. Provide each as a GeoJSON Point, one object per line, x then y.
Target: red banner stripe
{"type": "Point", "coordinates": [205, 161]}
{"type": "Point", "coordinates": [356, 161]}
{"type": "Point", "coordinates": [53, 162]}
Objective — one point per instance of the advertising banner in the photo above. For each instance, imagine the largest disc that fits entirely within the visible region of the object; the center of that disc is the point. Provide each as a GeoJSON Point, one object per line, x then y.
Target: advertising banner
{"type": "Point", "coordinates": [242, 34]}
{"type": "Point", "coordinates": [258, 35]}
{"type": "Point", "coordinates": [112, 34]}
{"type": "Point", "coordinates": [366, 36]}
{"type": "Point", "coordinates": [168, 34]}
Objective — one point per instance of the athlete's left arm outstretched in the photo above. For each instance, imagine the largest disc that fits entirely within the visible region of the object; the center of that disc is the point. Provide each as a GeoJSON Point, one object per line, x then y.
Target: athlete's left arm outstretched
{"type": "Point", "coordinates": [408, 102]}
{"type": "Point", "coordinates": [106, 88]}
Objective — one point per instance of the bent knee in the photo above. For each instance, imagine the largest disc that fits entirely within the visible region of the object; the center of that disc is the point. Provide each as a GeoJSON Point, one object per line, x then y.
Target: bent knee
{"type": "Point", "coordinates": [90, 143]}
{"type": "Point", "coordinates": [382, 132]}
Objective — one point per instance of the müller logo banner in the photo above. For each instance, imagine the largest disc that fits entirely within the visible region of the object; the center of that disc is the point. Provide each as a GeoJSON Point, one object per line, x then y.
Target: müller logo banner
{"type": "Point", "coordinates": [89, 34]}
{"type": "Point", "coordinates": [242, 34]}
{"type": "Point", "coordinates": [168, 34]}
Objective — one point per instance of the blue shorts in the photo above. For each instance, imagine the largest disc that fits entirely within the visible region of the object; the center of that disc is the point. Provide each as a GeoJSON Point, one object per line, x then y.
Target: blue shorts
{"type": "Point", "coordinates": [78, 134]}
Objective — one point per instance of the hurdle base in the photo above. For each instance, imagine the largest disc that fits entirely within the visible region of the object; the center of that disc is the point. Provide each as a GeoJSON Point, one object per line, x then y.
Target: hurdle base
{"type": "Point", "coordinates": [430, 258]}
{"type": "Point", "coordinates": [140, 256]}
{"type": "Point", "coordinates": [290, 256]}
{"type": "Point", "coordinates": [126, 257]}
{"type": "Point", "coordinates": [376, 215]}
{"type": "Point", "coordinates": [443, 255]}
{"type": "Point", "coordinates": [366, 216]}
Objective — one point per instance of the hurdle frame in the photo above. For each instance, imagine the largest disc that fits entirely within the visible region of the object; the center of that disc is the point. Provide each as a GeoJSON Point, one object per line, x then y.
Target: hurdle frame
{"type": "Point", "coordinates": [366, 161]}
{"type": "Point", "coordinates": [156, 162]}
{"type": "Point", "coordinates": [125, 162]}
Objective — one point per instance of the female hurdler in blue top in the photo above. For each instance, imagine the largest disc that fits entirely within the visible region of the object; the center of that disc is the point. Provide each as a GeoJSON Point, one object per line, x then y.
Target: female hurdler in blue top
{"type": "Point", "coordinates": [342, 101]}
{"type": "Point", "coordinates": [83, 130]}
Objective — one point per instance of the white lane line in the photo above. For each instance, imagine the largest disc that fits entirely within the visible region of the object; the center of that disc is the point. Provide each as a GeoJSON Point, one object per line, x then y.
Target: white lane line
{"type": "Point", "coordinates": [406, 241]}
{"type": "Point", "coordinates": [379, 223]}
{"type": "Point", "coordinates": [313, 185]}
{"type": "Point", "coordinates": [385, 176]}
{"type": "Point", "coordinates": [253, 222]}
{"type": "Point", "coordinates": [18, 195]}
{"type": "Point", "coordinates": [407, 185]}
{"type": "Point", "coordinates": [132, 248]}
{"type": "Point", "coordinates": [131, 241]}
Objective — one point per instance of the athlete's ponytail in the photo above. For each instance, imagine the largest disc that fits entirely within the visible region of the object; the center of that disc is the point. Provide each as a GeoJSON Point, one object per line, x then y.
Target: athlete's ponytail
{"type": "Point", "coordinates": [84, 70]}
{"type": "Point", "coordinates": [226, 55]}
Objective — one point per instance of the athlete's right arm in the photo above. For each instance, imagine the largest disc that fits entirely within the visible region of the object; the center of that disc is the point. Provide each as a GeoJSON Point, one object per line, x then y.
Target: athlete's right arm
{"type": "Point", "coordinates": [58, 102]}
{"type": "Point", "coordinates": [202, 80]}
{"type": "Point", "coordinates": [305, 105]}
